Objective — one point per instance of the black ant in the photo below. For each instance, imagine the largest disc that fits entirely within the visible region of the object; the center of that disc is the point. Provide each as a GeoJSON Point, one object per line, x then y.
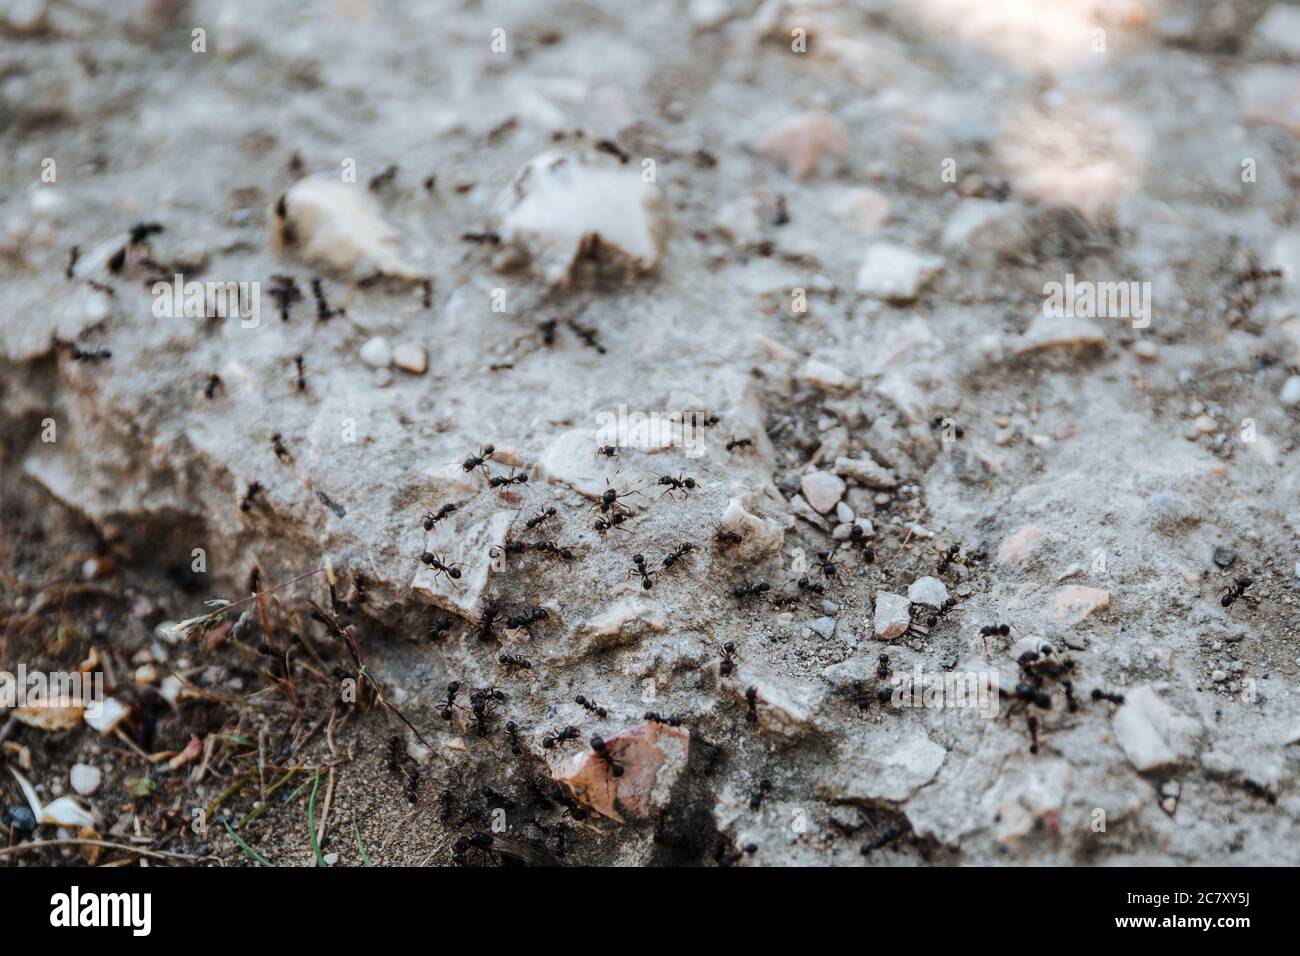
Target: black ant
{"type": "Point", "coordinates": [281, 452]}
{"type": "Point", "coordinates": [521, 662]}
{"type": "Point", "coordinates": [246, 503]}
{"type": "Point", "coordinates": [602, 751]}
{"type": "Point", "coordinates": [557, 737]}
{"type": "Point", "coordinates": [547, 328]}
{"type": "Point", "coordinates": [440, 566]}
{"type": "Point", "coordinates": [590, 705]}
{"type": "Point", "coordinates": [735, 443]}
{"type": "Point", "coordinates": [572, 808]}
{"type": "Point", "coordinates": [883, 670]}
{"type": "Point", "coordinates": [1032, 722]}
{"type": "Point", "coordinates": [684, 485]}
{"type": "Point", "coordinates": [860, 696]}
{"type": "Point", "coordinates": [752, 587]}
{"type": "Point", "coordinates": [994, 630]}
{"type": "Point", "coordinates": [538, 518]}
{"type": "Point", "coordinates": [490, 611]}
{"type": "Point", "coordinates": [756, 799]}
{"type": "Point", "coordinates": [446, 799]}
{"type": "Point", "coordinates": [727, 536]}
{"type": "Point", "coordinates": [725, 856]}
{"type": "Point", "coordinates": [426, 293]}
{"type": "Point", "coordinates": [481, 702]}
{"type": "Point", "coordinates": [214, 383]}
{"type": "Point", "coordinates": [728, 659]}
{"type": "Point", "coordinates": [383, 178]}
{"type": "Point", "coordinates": [1099, 694]}
{"type": "Point", "coordinates": [284, 293]}
{"type": "Point", "coordinates": [825, 565]}
{"type": "Point", "coordinates": [500, 481]}
{"type": "Point", "coordinates": [438, 629]}
{"type": "Point", "coordinates": [806, 585]}
{"type": "Point", "coordinates": [660, 719]}
{"type": "Point", "coordinates": [90, 355]}
{"type": "Point", "coordinates": [480, 460]}
{"type": "Point", "coordinates": [780, 601]}
{"type": "Point", "coordinates": [858, 539]}
{"type": "Point", "coordinates": [614, 521]}
{"type": "Point", "coordinates": [751, 701]}
{"type": "Point", "coordinates": [681, 551]}
{"type": "Point", "coordinates": [530, 616]}
{"type": "Point", "coordinates": [430, 518]}
{"type": "Point", "coordinates": [638, 567]}
{"type": "Point", "coordinates": [73, 255]}
{"type": "Point", "coordinates": [1234, 591]}
{"type": "Point", "coordinates": [323, 311]}
{"type": "Point", "coordinates": [613, 149]}
{"type": "Point", "coordinates": [565, 554]}
{"type": "Point", "coordinates": [937, 423]}
{"type": "Point", "coordinates": [610, 500]}
{"type": "Point", "coordinates": [477, 841]}
{"type": "Point", "coordinates": [948, 558]}
{"type": "Point", "coordinates": [452, 690]}
{"type": "Point", "coordinates": [485, 238]}
{"type": "Point", "coordinates": [302, 377]}
{"type": "Point", "coordinates": [706, 422]}
{"type": "Point", "coordinates": [513, 730]}
{"type": "Point", "coordinates": [607, 451]}
{"type": "Point", "coordinates": [1071, 703]}
{"type": "Point", "coordinates": [587, 335]}
{"type": "Point", "coordinates": [508, 547]}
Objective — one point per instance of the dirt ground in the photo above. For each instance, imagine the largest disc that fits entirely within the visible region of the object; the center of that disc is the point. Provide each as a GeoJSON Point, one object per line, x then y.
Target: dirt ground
{"type": "Point", "coordinates": [819, 237]}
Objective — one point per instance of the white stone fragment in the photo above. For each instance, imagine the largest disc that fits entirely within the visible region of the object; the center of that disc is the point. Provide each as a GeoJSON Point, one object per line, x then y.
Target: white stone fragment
{"type": "Point", "coordinates": [895, 273]}
{"type": "Point", "coordinates": [567, 204]}
{"type": "Point", "coordinates": [827, 377]}
{"type": "Point", "coordinates": [571, 459]}
{"type": "Point", "coordinates": [335, 224]}
{"type": "Point", "coordinates": [929, 591]}
{"type": "Point", "coordinates": [1152, 733]}
{"type": "Point", "coordinates": [376, 352]}
{"type": "Point", "coordinates": [410, 357]}
{"type": "Point", "coordinates": [105, 716]}
{"type": "Point", "coordinates": [866, 472]}
{"type": "Point", "coordinates": [822, 490]}
{"type": "Point", "coordinates": [84, 778]}
{"type": "Point", "coordinates": [1290, 394]}
{"type": "Point", "coordinates": [758, 536]}
{"type": "Point", "coordinates": [893, 615]}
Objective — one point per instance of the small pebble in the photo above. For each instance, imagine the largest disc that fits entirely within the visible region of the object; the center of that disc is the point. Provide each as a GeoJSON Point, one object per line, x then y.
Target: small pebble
{"type": "Point", "coordinates": [1146, 350]}
{"type": "Point", "coordinates": [825, 626]}
{"type": "Point", "coordinates": [1290, 394]}
{"type": "Point", "coordinates": [844, 512]}
{"type": "Point", "coordinates": [411, 358]}
{"type": "Point", "coordinates": [822, 490]}
{"type": "Point", "coordinates": [377, 353]}
{"type": "Point", "coordinates": [85, 779]}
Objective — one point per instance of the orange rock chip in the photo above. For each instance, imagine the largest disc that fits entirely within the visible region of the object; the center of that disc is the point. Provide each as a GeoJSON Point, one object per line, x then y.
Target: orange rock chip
{"type": "Point", "coordinates": [652, 756]}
